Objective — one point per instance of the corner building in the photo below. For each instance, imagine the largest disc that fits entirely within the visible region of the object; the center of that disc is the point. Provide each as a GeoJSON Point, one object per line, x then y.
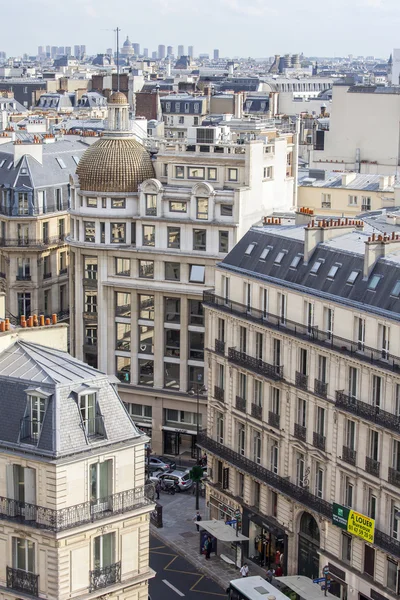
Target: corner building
{"type": "Point", "coordinates": [146, 234]}
{"type": "Point", "coordinates": [304, 398]}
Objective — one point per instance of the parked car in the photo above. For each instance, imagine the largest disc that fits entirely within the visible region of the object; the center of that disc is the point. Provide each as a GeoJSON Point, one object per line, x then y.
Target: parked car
{"type": "Point", "coordinates": [161, 463]}
{"type": "Point", "coordinates": [181, 480]}
{"type": "Point", "coordinates": [155, 476]}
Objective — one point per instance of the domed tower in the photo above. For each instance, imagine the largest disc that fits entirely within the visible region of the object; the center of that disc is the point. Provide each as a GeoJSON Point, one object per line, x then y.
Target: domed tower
{"type": "Point", "coordinates": [127, 48]}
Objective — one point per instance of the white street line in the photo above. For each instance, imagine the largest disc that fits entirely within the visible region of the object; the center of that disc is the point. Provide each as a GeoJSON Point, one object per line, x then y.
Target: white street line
{"type": "Point", "coordinates": [172, 587]}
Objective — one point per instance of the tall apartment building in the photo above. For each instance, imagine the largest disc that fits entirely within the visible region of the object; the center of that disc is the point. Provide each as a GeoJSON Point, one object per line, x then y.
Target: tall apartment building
{"type": "Point", "coordinates": [74, 508]}
{"type": "Point", "coordinates": [181, 50]}
{"type": "Point", "coordinates": [304, 391]}
{"type": "Point", "coordinates": [191, 51]}
{"type": "Point", "coordinates": [145, 238]}
{"type": "Point", "coordinates": [34, 222]}
{"type": "Point", "coordinates": [216, 54]}
{"type": "Point", "coordinates": [161, 51]}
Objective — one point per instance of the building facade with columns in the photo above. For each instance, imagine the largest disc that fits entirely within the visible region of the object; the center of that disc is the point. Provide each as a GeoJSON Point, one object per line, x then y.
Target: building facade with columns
{"type": "Point", "coordinates": [303, 427]}
{"type": "Point", "coordinates": [146, 234]}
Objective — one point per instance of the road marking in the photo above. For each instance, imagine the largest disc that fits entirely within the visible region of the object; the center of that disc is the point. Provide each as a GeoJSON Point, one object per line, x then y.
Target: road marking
{"type": "Point", "coordinates": [172, 587]}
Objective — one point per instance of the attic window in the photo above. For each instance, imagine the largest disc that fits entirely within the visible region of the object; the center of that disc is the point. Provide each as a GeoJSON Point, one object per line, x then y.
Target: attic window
{"type": "Point", "coordinates": [61, 163]}
{"type": "Point", "coordinates": [2, 162]}
{"type": "Point", "coordinates": [332, 271]}
{"type": "Point", "coordinates": [295, 261]}
{"type": "Point", "coordinates": [250, 249]}
{"type": "Point", "coordinates": [375, 279]}
{"type": "Point", "coordinates": [396, 289]}
{"type": "Point", "coordinates": [31, 424]}
{"type": "Point", "coordinates": [76, 159]}
{"type": "Point", "coordinates": [315, 268]}
{"type": "Point", "coordinates": [92, 421]}
{"type": "Point", "coordinates": [265, 253]}
{"type": "Point", "coordinates": [279, 258]}
{"type": "Point", "coordinates": [352, 277]}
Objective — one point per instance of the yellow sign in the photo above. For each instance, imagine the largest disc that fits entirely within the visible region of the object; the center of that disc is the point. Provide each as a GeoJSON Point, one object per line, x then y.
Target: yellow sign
{"type": "Point", "coordinates": [361, 526]}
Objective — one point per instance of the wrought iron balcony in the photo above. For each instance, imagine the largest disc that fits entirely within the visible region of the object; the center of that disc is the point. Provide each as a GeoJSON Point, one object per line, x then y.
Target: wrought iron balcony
{"type": "Point", "coordinates": [319, 441]}
{"type": "Point", "coordinates": [349, 455]}
{"type": "Point", "coordinates": [2, 275]}
{"type": "Point", "coordinates": [240, 403]}
{"type": "Point", "coordinates": [32, 242]}
{"type": "Point", "coordinates": [64, 271]}
{"type": "Point", "coordinates": [101, 578]}
{"type": "Point", "coordinates": [23, 581]}
{"type": "Point", "coordinates": [47, 275]}
{"type": "Point", "coordinates": [90, 316]}
{"type": "Point", "coordinates": [23, 277]}
{"type": "Point", "coordinates": [300, 432]}
{"type": "Point", "coordinates": [151, 211]}
{"type": "Point", "coordinates": [368, 411]}
{"type": "Point", "coordinates": [89, 282]}
{"type": "Point", "coordinates": [314, 335]}
{"type": "Point", "coordinates": [256, 411]}
{"type": "Point", "coordinates": [274, 419]}
{"type": "Point", "coordinates": [220, 347]}
{"type": "Point", "coordinates": [320, 388]}
{"type": "Point", "coordinates": [301, 380]}
{"type": "Point", "coordinates": [255, 365]}
{"type": "Point", "coordinates": [394, 477]}
{"type": "Point", "coordinates": [372, 466]}
{"type": "Point", "coordinates": [219, 393]}
{"type": "Point", "coordinates": [41, 517]}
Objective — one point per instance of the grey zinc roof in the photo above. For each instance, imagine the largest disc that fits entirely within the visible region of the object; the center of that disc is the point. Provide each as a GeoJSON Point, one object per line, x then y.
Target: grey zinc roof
{"type": "Point", "coordinates": [25, 367]}
{"type": "Point", "coordinates": [346, 251]}
{"type": "Point", "coordinates": [368, 183]}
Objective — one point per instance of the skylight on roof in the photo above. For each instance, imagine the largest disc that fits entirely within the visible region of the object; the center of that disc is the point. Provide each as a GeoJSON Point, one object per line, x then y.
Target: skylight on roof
{"type": "Point", "coordinates": [76, 159]}
{"type": "Point", "coordinates": [295, 262]}
{"type": "Point", "coordinates": [264, 253]}
{"type": "Point", "coordinates": [10, 165]}
{"type": "Point", "coordinates": [352, 277]}
{"type": "Point", "coordinates": [250, 249]}
{"type": "Point", "coordinates": [396, 290]}
{"type": "Point", "coordinates": [332, 271]}
{"type": "Point", "coordinates": [2, 162]}
{"type": "Point", "coordinates": [315, 267]}
{"type": "Point", "coordinates": [375, 279]}
{"type": "Point", "coordinates": [279, 257]}
{"type": "Point", "coordinates": [61, 163]}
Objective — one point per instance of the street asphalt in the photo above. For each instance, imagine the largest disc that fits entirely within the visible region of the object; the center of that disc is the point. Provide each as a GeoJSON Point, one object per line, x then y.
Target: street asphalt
{"type": "Point", "coordinates": [177, 578]}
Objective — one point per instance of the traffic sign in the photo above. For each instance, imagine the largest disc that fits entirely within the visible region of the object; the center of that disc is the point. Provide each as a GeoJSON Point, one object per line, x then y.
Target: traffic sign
{"type": "Point", "coordinates": [325, 570]}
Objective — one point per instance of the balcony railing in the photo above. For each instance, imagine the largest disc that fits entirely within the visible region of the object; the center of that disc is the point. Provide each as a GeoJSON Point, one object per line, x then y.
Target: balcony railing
{"type": "Point", "coordinates": [304, 332]}
{"type": "Point", "coordinates": [219, 393]}
{"type": "Point", "coordinates": [23, 277]}
{"type": "Point", "coordinates": [101, 578]}
{"type": "Point", "coordinates": [394, 477]}
{"type": "Point", "coordinates": [90, 316]}
{"type": "Point", "coordinates": [274, 419]}
{"type": "Point", "coordinates": [254, 364]}
{"type": "Point", "coordinates": [256, 411]}
{"type": "Point", "coordinates": [241, 403]}
{"type": "Point", "coordinates": [372, 466]}
{"type": "Point", "coordinates": [286, 487]}
{"type": "Point", "coordinates": [301, 380]}
{"type": "Point", "coordinates": [64, 271]}
{"type": "Point", "coordinates": [41, 517]}
{"type": "Point", "coordinates": [47, 275]}
{"type": "Point", "coordinates": [320, 388]}
{"type": "Point", "coordinates": [90, 282]}
{"type": "Point", "coordinates": [368, 411]}
{"type": "Point", "coordinates": [151, 211]}
{"type": "Point", "coordinates": [319, 440]}
{"type": "Point", "coordinates": [220, 347]}
{"type": "Point", "coordinates": [23, 581]}
{"type": "Point", "coordinates": [15, 211]}
{"type": "Point", "coordinates": [349, 455]}
{"type": "Point", "coordinates": [300, 432]}
{"type": "Point", "coordinates": [32, 242]}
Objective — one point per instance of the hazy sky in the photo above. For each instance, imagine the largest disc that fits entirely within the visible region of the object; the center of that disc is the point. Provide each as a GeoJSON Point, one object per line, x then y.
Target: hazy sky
{"type": "Point", "coordinates": [255, 28]}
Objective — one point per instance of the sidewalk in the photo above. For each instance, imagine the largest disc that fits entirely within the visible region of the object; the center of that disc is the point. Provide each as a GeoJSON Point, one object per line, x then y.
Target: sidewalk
{"type": "Point", "coordinates": [180, 533]}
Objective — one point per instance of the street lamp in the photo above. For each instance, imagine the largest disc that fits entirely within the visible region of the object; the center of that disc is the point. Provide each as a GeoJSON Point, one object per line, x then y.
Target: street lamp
{"type": "Point", "coordinates": [198, 388]}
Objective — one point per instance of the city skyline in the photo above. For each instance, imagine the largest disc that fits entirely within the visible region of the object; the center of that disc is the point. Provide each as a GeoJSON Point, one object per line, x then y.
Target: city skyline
{"type": "Point", "coordinates": [244, 33]}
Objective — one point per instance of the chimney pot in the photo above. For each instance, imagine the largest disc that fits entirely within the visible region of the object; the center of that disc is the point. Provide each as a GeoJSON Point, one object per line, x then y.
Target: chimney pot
{"type": "Point", "coordinates": [54, 318]}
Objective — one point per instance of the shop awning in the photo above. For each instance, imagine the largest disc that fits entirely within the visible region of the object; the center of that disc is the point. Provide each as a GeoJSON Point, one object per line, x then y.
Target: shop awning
{"type": "Point", "coordinates": [223, 532]}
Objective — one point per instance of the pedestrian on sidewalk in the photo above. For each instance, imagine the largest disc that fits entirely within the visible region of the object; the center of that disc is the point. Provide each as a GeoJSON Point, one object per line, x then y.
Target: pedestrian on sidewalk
{"type": "Point", "coordinates": [270, 575]}
{"type": "Point", "coordinates": [158, 489]}
{"type": "Point", "coordinates": [197, 519]}
{"type": "Point", "coordinates": [278, 571]}
{"type": "Point", "coordinates": [244, 571]}
{"type": "Point", "coordinates": [208, 547]}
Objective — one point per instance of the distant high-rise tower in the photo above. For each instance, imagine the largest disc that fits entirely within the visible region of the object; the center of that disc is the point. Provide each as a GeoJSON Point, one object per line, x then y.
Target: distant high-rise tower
{"type": "Point", "coordinates": [216, 54]}
{"type": "Point", "coordinates": [136, 49]}
{"type": "Point", "coordinates": [154, 54]}
{"type": "Point", "coordinates": [170, 50]}
{"type": "Point", "coordinates": [109, 51]}
{"type": "Point", "coordinates": [48, 51]}
{"type": "Point", "coordinates": [83, 51]}
{"type": "Point", "coordinates": [161, 51]}
{"type": "Point", "coordinates": [40, 50]}
{"type": "Point", "coordinates": [53, 51]}
{"type": "Point", "coordinates": [77, 51]}
{"type": "Point", "coordinates": [68, 50]}
{"type": "Point", "coordinates": [146, 52]}
{"type": "Point", "coordinates": [61, 51]}
{"type": "Point", "coordinates": [181, 51]}
{"type": "Point", "coordinates": [191, 51]}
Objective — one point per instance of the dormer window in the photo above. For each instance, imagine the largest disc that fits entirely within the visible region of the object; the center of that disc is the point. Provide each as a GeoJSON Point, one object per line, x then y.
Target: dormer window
{"type": "Point", "coordinates": [31, 425]}
{"type": "Point", "coordinates": [92, 420]}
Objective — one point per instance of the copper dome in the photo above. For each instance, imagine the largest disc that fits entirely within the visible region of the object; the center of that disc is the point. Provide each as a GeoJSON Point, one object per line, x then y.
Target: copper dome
{"type": "Point", "coordinates": [118, 98]}
{"type": "Point", "coordinates": [114, 165]}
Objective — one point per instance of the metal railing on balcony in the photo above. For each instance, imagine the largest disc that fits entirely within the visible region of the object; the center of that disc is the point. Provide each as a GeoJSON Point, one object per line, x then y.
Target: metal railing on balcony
{"type": "Point", "coordinates": [105, 576]}
{"type": "Point", "coordinates": [256, 411]}
{"type": "Point", "coordinates": [300, 432]}
{"type": "Point", "coordinates": [255, 364]}
{"type": "Point", "coordinates": [394, 477]}
{"type": "Point", "coordinates": [301, 380]}
{"type": "Point", "coordinates": [41, 517]}
{"type": "Point", "coordinates": [32, 242]}
{"type": "Point", "coordinates": [90, 316]}
{"type": "Point", "coordinates": [274, 419]}
{"type": "Point", "coordinates": [372, 466]}
{"type": "Point", "coordinates": [367, 411]}
{"type": "Point", "coordinates": [319, 440]}
{"type": "Point", "coordinates": [296, 493]}
{"type": "Point", "coordinates": [32, 210]}
{"type": "Point", "coordinates": [219, 393]}
{"type": "Point", "coordinates": [63, 271]}
{"type": "Point", "coordinates": [304, 332]}
{"type": "Point", "coordinates": [320, 388]}
{"type": "Point", "coordinates": [47, 275]}
{"type": "Point", "coordinates": [220, 347]}
{"type": "Point", "coordinates": [23, 581]}
{"type": "Point", "coordinates": [349, 455]}
{"type": "Point", "coordinates": [23, 277]}
{"type": "Point", "coordinates": [151, 211]}
{"type": "Point", "coordinates": [90, 282]}
{"type": "Point", "coordinates": [240, 403]}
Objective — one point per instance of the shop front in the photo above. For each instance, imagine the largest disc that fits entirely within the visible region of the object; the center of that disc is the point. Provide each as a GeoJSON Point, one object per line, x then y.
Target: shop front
{"type": "Point", "coordinates": [179, 441]}
{"type": "Point", "coordinates": [267, 544]}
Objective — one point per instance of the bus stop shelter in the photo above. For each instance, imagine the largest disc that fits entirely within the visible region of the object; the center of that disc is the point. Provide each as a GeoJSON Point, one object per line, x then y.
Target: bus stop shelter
{"type": "Point", "coordinates": [225, 534]}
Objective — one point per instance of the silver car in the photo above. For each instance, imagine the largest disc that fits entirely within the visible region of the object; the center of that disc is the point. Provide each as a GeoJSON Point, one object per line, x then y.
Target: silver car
{"type": "Point", "coordinates": [180, 479]}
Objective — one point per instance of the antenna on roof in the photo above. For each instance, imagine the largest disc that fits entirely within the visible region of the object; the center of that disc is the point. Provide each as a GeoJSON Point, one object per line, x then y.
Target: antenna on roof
{"type": "Point", "coordinates": [117, 31]}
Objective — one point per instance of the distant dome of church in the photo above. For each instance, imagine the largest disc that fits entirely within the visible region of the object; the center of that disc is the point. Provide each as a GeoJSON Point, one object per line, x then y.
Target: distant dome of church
{"type": "Point", "coordinates": [127, 43]}
{"type": "Point", "coordinates": [127, 47]}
